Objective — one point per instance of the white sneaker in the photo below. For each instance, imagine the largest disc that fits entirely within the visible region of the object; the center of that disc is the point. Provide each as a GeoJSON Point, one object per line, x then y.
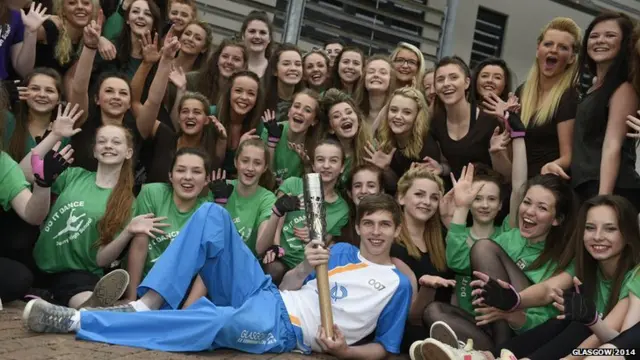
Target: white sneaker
{"type": "Point", "coordinates": [432, 349]}
{"type": "Point", "coordinates": [507, 355]}
{"type": "Point", "coordinates": [444, 333]}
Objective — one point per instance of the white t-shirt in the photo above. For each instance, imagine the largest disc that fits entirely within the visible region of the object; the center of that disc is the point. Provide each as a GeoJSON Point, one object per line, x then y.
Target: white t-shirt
{"type": "Point", "coordinates": [364, 297]}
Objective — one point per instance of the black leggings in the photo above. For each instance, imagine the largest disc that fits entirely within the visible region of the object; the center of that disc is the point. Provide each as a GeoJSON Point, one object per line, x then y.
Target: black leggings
{"type": "Point", "coordinates": [629, 339]}
{"type": "Point", "coordinates": [552, 340]}
{"type": "Point", "coordinates": [15, 280]}
{"type": "Point", "coordinates": [489, 258]}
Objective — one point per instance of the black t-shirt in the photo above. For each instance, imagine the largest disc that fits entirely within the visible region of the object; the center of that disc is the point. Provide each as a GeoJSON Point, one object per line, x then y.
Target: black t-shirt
{"type": "Point", "coordinates": [542, 141]}
{"type": "Point", "coordinates": [46, 53]}
{"type": "Point", "coordinates": [473, 147]}
{"type": "Point", "coordinates": [158, 156]}
{"type": "Point", "coordinates": [401, 163]}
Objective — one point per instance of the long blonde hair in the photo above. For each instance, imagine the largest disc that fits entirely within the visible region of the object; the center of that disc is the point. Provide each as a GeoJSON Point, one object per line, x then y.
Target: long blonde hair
{"type": "Point", "coordinates": [64, 46]}
{"type": "Point", "coordinates": [420, 125]}
{"type": "Point", "coordinates": [433, 239]}
{"type": "Point", "coordinates": [541, 113]}
{"type": "Point", "coordinates": [406, 46]}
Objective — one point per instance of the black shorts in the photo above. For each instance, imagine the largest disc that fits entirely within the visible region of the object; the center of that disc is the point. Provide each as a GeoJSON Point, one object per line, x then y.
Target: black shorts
{"type": "Point", "coordinates": [65, 285]}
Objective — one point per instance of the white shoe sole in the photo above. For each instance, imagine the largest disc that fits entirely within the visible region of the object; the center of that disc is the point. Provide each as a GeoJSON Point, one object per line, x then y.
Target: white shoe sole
{"type": "Point", "coordinates": [108, 290]}
{"type": "Point", "coordinates": [434, 350]}
{"type": "Point", "coordinates": [415, 352]}
{"type": "Point", "coordinates": [444, 333]}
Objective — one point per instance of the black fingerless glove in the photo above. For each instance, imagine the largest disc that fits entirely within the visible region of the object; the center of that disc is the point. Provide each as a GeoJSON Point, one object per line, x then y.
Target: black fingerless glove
{"type": "Point", "coordinates": [577, 307]}
{"type": "Point", "coordinates": [276, 249]}
{"type": "Point", "coordinates": [499, 297]}
{"type": "Point", "coordinates": [221, 191]}
{"type": "Point", "coordinates": [274, 131]}
{"type": "Point", "coordinates": [46, 171]}
{"type": "Point", "coordinates": [516, 127]}
{"type": "Point", "coordinates": [285, 204]}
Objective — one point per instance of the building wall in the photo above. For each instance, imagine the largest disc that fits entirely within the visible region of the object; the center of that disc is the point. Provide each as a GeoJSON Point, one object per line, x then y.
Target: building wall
{"type": "Point", "coordinates": [525, 19]}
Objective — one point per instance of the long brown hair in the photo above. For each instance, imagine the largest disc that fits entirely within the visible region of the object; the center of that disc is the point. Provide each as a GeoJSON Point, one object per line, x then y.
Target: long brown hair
{"type": "Point", "coordinates": [267, 180]}
{"type": "Point", "coordinates": [124, 40]}
{"type": "Point", "coordinates": [365, 106]}
{"type": "Point", "coordinates": [201, 59]}
{"type": "Point", "coordinates": [336, 81]}
{"type": "Point", "coordinates": [208, 82]}
{"type": "Point", "coordinates": [209, 135]}
{"type": "Point", "coordinates": [270, 77]}
{"type": "Point", "coordinates": [118, 210]}
{"type": "Point", "coordinates": [433, 239]}
{"type": "Point", "coordinates": [16, 147]}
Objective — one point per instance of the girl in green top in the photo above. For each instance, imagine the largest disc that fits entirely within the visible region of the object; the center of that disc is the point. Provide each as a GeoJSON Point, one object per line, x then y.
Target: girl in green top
{"type": "Point", "coordinates": [289, 219]}
{"type": "Point", "coordinates": [175, 201]}
{"type": "Point", "coordinates": [345, 122]}
{"type": "Point", "coordinates": [289, 142]}
{"type": "Point", "coordinates": [603, 253]}
{"type": "Point", "coordinates": [247, 199]}
{"type": "Point", "coordinates": [283, 79]}
{"type": "Point", "coordinates": [87, 226]}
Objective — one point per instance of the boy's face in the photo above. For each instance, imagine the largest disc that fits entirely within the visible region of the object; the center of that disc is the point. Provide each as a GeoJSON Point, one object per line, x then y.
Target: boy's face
{"type": "Point", "coordinates": [377, 232]}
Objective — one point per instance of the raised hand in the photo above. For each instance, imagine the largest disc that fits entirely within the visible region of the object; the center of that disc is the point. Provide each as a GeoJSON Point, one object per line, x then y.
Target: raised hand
{"type": "Point", "coordinates": [63, 124]}
{"type": "Point", "coordinates": [274, 130]}
{"type": "Point", "coordinates": [515, 125]}
{"type": "Point", "coordinates": [222, 132]}
{"type": "Point", "coordinates": [553, 168]}
{"type": "Point", "coordinates": [513, 103]}
{"type": "Point", "coordinates": [219, 187]}
{"type": "Point", "coordinates": [91, 33]}
{"type": "Point", "coordinates": [34, 19]}
{"type": "Point", "coordinates": [23, 93]}
{"type": "Point", "coordinates": [47, 169]}
{"type": "Point", "coordinates": [464, 189]}
{"type": "Point", "coordinates": [150, 52]}
{"type": "Point", "coordinates": [287, 203]}
{"type": "Point", "coordinates": [171, 46]}
{"type": "Point", "coordinates": [378, 157]}
{"type": "Point", "coordinates": [574, 305]}
{"type": "Point", "coordinates": [106, 49]}
{"type": "Point", "coordinates": [447, 205]}
{"type": "Point", "coordinates": [494, 293]}
{"type": "Point", "coordinates": [249, 135]}
{"type": "Point", "coordinates": [178, 77]}
{"type": "Point", "coordinates": [494, 105]}
{"type": "Point", "coordinates": [147, 224]}
{"type": "Point", "coordinates": [499, 140]}
{"type": "Point", "coordinates": [433, 166]}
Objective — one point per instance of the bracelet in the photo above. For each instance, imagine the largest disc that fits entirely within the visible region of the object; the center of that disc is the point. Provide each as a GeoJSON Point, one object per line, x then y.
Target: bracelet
{"type": "Point", "coordinates": [89, 47]}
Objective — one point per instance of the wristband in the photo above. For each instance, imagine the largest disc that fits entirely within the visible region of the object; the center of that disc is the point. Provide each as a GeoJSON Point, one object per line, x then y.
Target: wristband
{"type": "Point", "coordinates": [90, 48]}
{"type": "Point", "coordinates": [221, 201]}
{"type": "Point", "coordinates": [276, 212]}
{"type": "Point", "coordinates": [515, 307]}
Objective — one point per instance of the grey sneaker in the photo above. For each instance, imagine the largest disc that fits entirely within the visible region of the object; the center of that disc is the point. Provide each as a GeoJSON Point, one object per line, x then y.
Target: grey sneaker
{"type": "Point", "coordinates": [43, 317]}
{"type": "Point", "coordinates": [108, 290]}
{"type": "Point", "coordinates": [117, 308]}
{"type": "Point", "coordinates": [445, 334]}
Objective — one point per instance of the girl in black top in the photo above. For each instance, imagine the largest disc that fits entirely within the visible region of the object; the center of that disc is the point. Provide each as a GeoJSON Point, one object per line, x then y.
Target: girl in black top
{"type": "Point", "coordinates": [460, 128]}
{"type": "Point", "coordinates": [379, 84]}
{"type": "Point", "coordinates": [549, 99]}
{"type": "Point", "coordinates": [603, 158]}
{"type": "Point", "coordinates": [347, 75]}
{"type": "Point", "coordinates": [283, 79]}
{"type": "Point", "coordinates": [408, 62]}
{"type": "Point", "coordinates": [491, 76]}
{"type": "Point", "coordinates": [195, 44]}
{"type": "Point", "coordinates": [316, 70]}
{"type": "Point", "coordinates": [257, 34]}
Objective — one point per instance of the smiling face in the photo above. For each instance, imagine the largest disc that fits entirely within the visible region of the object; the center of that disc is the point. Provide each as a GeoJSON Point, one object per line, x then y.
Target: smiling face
{"type": "Point", "coordinates": [377, 232]}
{"type": "Point", "coordinates": [327, 161]}
{"type": "Point", "coordinates": [193, 117]}
{"type": "Point", "coordinates": [402, 115]}
{"type": "Point", "coordinates": [180, 15]}
{"type": "Point", "coordinates": [78, 12]}
{"type": "Point", "coordinates": [231, 59]}
{"type": "Point", "coordinates": [603, 44]}
{"type": "Point", "coordinates": [289, 69]}
{"type": "Point", "coordinates": [364, 182]}
{"type": "Point", "coordinates": [421, 200]}
{"type": "Point", "coordinates": [555, 53]}
{"type": "Point", "coordinates": [315, 70]}
{"type": "Point", "coordinates": [537, 213]}
{"type": "Point", "coordinates": [302, 113]}
{"type": "Point", "coordinates": [343, 120]}
{"type": "Point", "coordinates": [193, 40]}
{"type": "Point", "coordinates": [140, 18]}
{"type": "Point", "coordinates": [244, 92]}
{"type": "Point", "coordinates": [251, 164]}
{"type": "Point", "coordinates": [333, 50]}
{"type": "Point", "coordinates": [491, 79]}
{"type": "Point", "coordinates": [256, 36]}
{"type": "Point", "coordinates": [111, 146]}
{"type": "Point", "coordinates": [602, 237]}
{"type": "Point", "coordinates": [407, 64]}
{"type": "Point", "coordinates": [377, 76]}
{"type": "Point", "coordinates": [114, 97]}
{"type": "Point", "coordinates": [43, 94]}
{"type": "Point", "coordinates": [350, 67]}
{"type": "Point", "coordinates": [451, 83]}
{"type": "Point", "coordinates": [188, 176]}
{"type": "Point", "coordinates": [486, 205]}
{"type": "Point", "coordinates": [429, 87]}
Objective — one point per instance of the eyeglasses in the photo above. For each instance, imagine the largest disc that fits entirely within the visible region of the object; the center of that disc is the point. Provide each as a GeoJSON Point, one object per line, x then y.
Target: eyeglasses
{"type": "Point", "coordinates": [401, 61]}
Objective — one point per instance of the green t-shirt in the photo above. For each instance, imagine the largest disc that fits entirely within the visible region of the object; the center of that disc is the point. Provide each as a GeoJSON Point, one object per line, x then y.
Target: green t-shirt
{"type": "Point", "coordinates": [286, 162]}
{"type": "Point", "coordinates": [249, 212]}
{"type": "Point", "coordinates": [463, 281]}
{"type": "Point", "coordinates": [29, 141]}
{"type": "Point", "coordinates": [68, 239]}
{"type": "Point", "coordinates": [604, 290]}
{"type": "Point", "coordinates": [346, 174]}
{"type": "Point", "coordinates": [337, 214]}
{"type": "Point", "coordinates": [157, 198]}
{"type": "Point", "coordinates": [633, 285]}
{"type": "Point", "coordinates": [12, 180]}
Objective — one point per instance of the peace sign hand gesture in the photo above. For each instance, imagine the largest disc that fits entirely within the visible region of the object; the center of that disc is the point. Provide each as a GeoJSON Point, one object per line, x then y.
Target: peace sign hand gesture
{"type": "Point", "coordinates": [91, 33]}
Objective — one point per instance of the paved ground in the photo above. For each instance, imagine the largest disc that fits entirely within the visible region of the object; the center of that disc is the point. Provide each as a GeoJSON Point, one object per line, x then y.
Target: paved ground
{"type": "Point", "coordinates": [18, 344]}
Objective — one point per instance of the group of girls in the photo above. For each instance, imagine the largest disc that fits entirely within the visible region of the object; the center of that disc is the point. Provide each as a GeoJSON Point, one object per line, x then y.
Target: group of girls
{"type": "Point", "coordinates": [510, 198]}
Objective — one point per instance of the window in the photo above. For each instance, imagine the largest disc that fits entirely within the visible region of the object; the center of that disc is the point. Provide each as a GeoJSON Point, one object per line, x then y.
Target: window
{"type": "Point", "coordinates": [488, 35]}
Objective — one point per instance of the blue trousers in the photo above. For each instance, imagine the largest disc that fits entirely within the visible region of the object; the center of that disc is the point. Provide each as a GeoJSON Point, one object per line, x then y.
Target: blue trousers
{"type": "Point", "coordinates": [245, 311]}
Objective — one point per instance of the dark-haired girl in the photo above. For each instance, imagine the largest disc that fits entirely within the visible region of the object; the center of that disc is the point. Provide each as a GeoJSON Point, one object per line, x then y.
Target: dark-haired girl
{"type": "Point", "coordinates": [347, 73]}
{"type": "Point", "coordinates": [460, 128]}
{"type": "Point", "coordinates": [379, 83]}
{"type": "Point", "coordinates": [333, 48]}
{"type": "Point", "coordinates": [316, 70]}
{"type": "Point", "coordinates": [491, 76]}
{"type": "Point", "coordinates": [195, 43]}
{"type": "Point", "coordinates": [604, 159]}
{"type": "Point", "coordinates": [409, 64]}
{"type": "Point", "coordinates": [283, 79]}
{"type": "Point", "coordinates": [176, 202]}
{"type": "Point", "coordinates": [257, 34]}
{"type": "Point", "coordinates": [288, 218]}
